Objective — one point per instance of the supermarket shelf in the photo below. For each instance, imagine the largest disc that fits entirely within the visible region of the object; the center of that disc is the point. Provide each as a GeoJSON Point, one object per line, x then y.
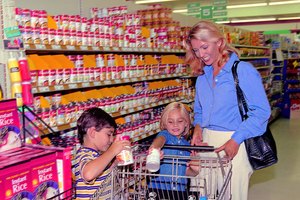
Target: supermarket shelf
{"type": "Point", "coordinates": [186, 100]}
{"type": "Point", "coordinates": [72, 125]}
{"type": "Point", "coordinates": [263, 67]}
{"type": "Point", "coordinates": [294, 51]}
{"type": "Point", "coordinates": [279, 66]}
{"type": "Point", "coordinates": [72, 86]}
{"type": "Point", "coordinates": [144, 135]}
{"type": "Point", "coordinates": [254, 57]}
{"type": "Point", "coordinates": [274, 114]}
{"type": "Point", "coordinates": [293, 90]}
{"type": "Point", "coordinates": [293, 58]}
{"type": "Point", "coordinates": [293, 81]}
{"type": "Point", "coordinates": [265, 77]}
{"type": "Point", "coordinates": [253, 47]}
{"type": "Point", "coordinates": [70, 48]}
{"type": "Point", "coordinates": [276, 92]}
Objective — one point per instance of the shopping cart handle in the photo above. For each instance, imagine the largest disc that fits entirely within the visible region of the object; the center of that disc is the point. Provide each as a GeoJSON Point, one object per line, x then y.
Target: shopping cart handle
{"type": "Point", "coordinates": [201, 148]}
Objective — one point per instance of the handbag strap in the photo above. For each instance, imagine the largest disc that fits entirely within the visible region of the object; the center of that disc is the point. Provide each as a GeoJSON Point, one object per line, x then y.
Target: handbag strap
{"type": "Point", "coordinates": [243, 107]}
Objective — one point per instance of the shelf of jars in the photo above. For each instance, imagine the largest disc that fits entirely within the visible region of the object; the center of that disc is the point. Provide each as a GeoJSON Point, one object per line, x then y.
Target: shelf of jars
{"type": "Point", "coordinates": [32, 48]}
{"type": "Point", "coordinates": [72, 125]}
{"type": "Point", "coordinates": [72, 86]}
{"type": "Point", "coordinates": [251, 47]}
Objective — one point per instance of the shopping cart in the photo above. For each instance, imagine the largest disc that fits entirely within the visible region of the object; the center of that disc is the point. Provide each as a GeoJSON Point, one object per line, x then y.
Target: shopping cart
{"type": "Point", "coordinates": [213, 181]}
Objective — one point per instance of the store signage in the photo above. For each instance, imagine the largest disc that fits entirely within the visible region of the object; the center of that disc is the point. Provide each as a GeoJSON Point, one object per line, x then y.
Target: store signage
{"type": "Point", "coordinates": [206, 12]}
{"type": "Point", "coordinates": [218, 14]}
{"type": "Point", "coordinates": [219, 2]}
{"type": "Point", "coordinates": [219, 8]}
{"type": "Point", "coordinates": [193, 8]}
{"type": "Point", "coordinates": [11, 32]}
{"type": "Point", "coordinates": [13, 44]}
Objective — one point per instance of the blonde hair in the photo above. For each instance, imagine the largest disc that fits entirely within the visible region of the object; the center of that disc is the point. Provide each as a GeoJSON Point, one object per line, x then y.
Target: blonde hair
{"type": "Point", "coordinates": [206, 31]}
{"type": "Point", "coordinates": [183, 111]}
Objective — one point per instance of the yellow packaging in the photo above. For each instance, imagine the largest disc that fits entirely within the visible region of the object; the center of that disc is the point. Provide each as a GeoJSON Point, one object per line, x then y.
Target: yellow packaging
{"type": "Point", "coordinates": [16, 92]}
{"type": "Point", "coordinates": [14, 71]}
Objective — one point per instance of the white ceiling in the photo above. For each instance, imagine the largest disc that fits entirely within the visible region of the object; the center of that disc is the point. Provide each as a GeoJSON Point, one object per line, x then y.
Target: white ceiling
{"type": "Point", "coordinates": [278, 11]}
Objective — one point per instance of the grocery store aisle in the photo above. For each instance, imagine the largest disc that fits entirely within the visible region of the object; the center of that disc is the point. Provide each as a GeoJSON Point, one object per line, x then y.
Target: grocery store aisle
{"type": "Point", "coordinates": [282, 180]}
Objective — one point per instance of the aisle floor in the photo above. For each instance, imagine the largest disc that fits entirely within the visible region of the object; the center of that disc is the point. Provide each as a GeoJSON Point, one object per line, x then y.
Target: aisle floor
{"type": "Point", "coordinates": [281, 181]}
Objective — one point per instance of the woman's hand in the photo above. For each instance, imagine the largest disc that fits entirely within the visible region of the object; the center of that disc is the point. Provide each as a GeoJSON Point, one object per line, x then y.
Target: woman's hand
{"type": "Point", "coordinates": [197, 139]}
{"type": "Point", "coordinates": [230, 147]}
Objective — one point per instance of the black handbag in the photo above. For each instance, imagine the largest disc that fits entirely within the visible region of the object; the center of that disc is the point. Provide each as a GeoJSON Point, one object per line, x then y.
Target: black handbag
{"type": "Point", "coordinates": [261, 150]}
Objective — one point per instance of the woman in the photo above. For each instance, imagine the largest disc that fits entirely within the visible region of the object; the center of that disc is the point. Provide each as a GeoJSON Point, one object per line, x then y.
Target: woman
{"type": "Point", "coordinates": [217, 119]}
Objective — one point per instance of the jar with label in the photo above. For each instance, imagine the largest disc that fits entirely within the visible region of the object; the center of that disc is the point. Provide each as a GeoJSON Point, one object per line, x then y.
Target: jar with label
{"type": "Point", "coordinates": [125, 156]}
{"type": "Point", "coordinates": [153, 160]}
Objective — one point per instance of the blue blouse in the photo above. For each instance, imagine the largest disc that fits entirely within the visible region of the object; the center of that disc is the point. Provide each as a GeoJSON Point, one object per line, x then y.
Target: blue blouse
{"type": "Point", "coordinates": [216, 107]}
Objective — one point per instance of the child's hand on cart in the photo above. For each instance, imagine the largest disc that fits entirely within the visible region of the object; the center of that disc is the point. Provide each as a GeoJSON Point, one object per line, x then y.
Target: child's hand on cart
{"type": "Point", "coordinates": [194, 165]}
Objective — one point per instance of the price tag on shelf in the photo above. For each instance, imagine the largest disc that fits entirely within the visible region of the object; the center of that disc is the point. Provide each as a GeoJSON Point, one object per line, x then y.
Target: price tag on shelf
{"type": "Point", "coordinates": [106, 48]}
{"type": "Point", "coordinates": [116, 48]}
{"type": "Point", "coordinates": [97, 83]}
{"type": "Point", "coordinates": [126, 49]}
{"type": "Point", "coordinates": [44, 89]}
{"type": "Point", "coordinates": [73, 124]}
{"type": "Point", "coordinates": [156, 77]}
{"type": "Point", "coordinates": [130, 110]}
{"type": "Point", "coordinates": [118, 81]}
{"type": "Point", "coordinates": [40, 46]}
{"type": "Point", "coordinates": [86, 84]}
{"type": "Point", "coordinates": [26, 46]}
{"type": "Point", "coordinates": [73, 86]}
{"type": "Point", "coordinates": [84, 48]}
{"type": "Point", "coordinates": [108, 82]}
{"type": "Point", "coordinates": [147, 106]}
{"type": "Point", "coordinates": [56, 47]}
{"type": "Point", "coordinates": [123, 112]}
{"type": "Point", "coordinates": [140, 108]}
{"type": "Point", "coordinates": [135, 49]}
{"type": "Point", "coordinates": [70, 47]}
{"type": "Point", "coordinates": [163, 76]}
{"type": "Point", "coordinates": [59, 87]}
{"type": "Point", "coordinates": [134, 79]}
{"type": "Point", "coordinates": [95, 48]}
{"type": "Point", "coordinates": [34, 90]}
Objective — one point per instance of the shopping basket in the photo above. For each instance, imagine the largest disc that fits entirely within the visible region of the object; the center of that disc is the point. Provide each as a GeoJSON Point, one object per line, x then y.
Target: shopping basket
{"type": "Point", "coordinates": [212, 182]}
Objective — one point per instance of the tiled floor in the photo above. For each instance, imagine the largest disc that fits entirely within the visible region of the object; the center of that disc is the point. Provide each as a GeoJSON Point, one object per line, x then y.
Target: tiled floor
{"type": "Point", "coordinates": [281, 181]}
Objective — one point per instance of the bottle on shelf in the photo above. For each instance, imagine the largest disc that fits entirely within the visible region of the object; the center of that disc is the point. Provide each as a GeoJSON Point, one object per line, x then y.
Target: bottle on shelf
{"type": "Point", "coordinates": [26, 80]}
{"type": "Point", "coordinates": [14, 70]}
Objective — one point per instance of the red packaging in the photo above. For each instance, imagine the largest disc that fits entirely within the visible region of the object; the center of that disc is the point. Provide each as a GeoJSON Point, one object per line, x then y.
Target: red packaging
{"type": "Point", "coordinates": [16, 180]}
{"type": "Point", "coordinates": [24, 69]}
{"type": "Point", "coordinates": [26, 93]}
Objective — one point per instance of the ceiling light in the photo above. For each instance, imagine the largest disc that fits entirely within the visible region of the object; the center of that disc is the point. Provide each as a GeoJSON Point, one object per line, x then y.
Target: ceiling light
{"type": "Point", "coordinates": [151, 1]}
{"type": "Point", "coordinates": [288, 18]}
{"type": "Point", "coordinates": [283, 2]}
{"type": "Point", "coordinates": [180, 11]}
{"type": "Point", "coordinates": [223, 22]}
{"type": "Point", "coordinates": [247, 5]}
{"type": "Point", "coordinates": [253, 20]}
